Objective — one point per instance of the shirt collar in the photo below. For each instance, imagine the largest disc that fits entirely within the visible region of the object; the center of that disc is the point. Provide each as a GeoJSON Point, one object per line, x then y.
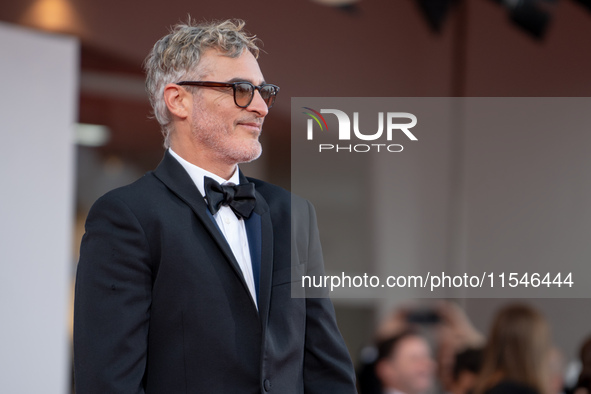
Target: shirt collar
{"type": "Point", "coordinates": [197, 173]}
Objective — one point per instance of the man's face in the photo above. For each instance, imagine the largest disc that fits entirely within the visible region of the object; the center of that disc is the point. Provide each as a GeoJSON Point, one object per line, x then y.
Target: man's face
{"type": "Point", "coordinates": [227, 133]}
{"type": "Point", "coordinates": [410, 368]}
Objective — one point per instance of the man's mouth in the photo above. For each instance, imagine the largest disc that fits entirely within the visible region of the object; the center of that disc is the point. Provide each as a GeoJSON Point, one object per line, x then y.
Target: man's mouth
{"type": "Point", "coordinates": [252, 125]}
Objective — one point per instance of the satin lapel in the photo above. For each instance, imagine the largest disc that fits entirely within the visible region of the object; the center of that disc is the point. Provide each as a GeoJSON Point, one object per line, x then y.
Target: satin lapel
{"type": "Point", "coordinates": [173, 175]}
{"type": "Point", "coordinates": [253, 232]}
{"type": "Point", "coordinates": [266, 255]}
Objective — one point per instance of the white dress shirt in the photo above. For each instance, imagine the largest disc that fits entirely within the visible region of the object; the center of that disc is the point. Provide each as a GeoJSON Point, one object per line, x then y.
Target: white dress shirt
{"type": "Point", "coordinates": [232, 228]}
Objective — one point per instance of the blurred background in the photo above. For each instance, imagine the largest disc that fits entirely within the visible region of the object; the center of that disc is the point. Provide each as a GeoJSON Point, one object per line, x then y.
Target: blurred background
{"type": "Point", "coordinates": [323, 48]}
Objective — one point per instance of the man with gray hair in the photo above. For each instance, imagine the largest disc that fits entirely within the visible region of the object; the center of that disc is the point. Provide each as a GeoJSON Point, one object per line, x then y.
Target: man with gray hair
{"type": "Point", "coordinates": [184, 278]}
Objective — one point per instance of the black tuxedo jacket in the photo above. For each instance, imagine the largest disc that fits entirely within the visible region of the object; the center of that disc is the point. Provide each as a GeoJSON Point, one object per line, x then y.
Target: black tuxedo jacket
{"type": "Point", "coordinates": [161, 305]}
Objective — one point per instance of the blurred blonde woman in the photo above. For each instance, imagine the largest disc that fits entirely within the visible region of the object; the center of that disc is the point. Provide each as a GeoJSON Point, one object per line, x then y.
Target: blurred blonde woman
{"type": "Point", "coordinates": [516, 354]}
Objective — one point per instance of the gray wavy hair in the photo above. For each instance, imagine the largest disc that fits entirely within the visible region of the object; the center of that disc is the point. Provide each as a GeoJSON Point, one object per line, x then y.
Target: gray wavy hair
{"type": "Point", "coordinates": [175, 58]}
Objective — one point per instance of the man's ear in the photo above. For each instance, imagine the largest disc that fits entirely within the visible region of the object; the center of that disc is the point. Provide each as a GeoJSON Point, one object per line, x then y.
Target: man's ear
{"type": "Point", "coordinates": [178, 100]}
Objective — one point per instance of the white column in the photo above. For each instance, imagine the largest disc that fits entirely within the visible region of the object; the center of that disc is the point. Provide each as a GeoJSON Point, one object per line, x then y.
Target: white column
{"type": "Point", "coordinates": [39, 74]}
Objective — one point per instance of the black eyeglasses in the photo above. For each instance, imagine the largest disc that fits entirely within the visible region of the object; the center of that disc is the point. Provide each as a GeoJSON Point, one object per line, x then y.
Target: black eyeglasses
{"type": "Point", "coordinates": [243, 91]}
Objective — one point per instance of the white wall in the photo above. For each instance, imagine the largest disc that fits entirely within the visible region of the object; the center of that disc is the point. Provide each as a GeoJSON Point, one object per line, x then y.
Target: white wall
{"type": "Point", "coordinates": [38, 108]}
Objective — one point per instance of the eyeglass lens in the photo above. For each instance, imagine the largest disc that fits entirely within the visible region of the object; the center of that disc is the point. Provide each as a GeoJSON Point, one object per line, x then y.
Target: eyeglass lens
{"type": "Point", "coordinates": [245, 92]}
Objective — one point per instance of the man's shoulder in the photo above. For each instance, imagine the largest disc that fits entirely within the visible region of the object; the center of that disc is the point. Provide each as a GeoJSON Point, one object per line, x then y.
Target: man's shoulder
{"type": "Point", "coordinates": [276, 194]}
{"type": "Point", "coordinates": [285, 206]}
{"type": "Point", "coordinates": [269, 190]}
{"type": "Point", "coordinates": [134, 194]}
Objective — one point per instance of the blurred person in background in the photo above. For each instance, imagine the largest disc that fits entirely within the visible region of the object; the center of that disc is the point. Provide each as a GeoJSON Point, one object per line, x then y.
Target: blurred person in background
{"type": "Point", "coordinates": [455, 334]}
{"type": "Point", "coordinates": [516, 355]}
{"type": "Point", "coordinates": [446, 325]}
{"type": "Point", "coordinates": [466, 368]}
{"type": "Point", "coordinates": [584, 381]}
{"type": "Point", "coordinates": [556, 368]}
{"type": "Point", "coordinates": [405, 364]}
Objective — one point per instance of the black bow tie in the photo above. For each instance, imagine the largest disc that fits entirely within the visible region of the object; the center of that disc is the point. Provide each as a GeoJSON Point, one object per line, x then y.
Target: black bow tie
{"type": "Point", "coordinates": [241, 198]}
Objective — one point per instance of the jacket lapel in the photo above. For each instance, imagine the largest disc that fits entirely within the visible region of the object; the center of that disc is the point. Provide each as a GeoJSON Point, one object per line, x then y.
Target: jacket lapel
{"type": "Point", "coordinates": [266, 253]}
{"type": "Point", "coordinates": [253, 233]}
{"type": "Point", "coordinates": [266, 264]}
{"type": "Point", "coordinates": [173, 175]}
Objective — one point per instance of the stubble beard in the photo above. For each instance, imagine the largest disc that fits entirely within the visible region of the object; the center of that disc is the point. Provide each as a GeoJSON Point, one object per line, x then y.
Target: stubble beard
{"type": "Point", "coordinates": [217, 139]}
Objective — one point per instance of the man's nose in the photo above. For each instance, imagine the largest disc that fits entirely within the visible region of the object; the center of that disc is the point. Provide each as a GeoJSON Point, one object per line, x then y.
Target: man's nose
{"type": "Point", "coordinates": [258, 105]}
